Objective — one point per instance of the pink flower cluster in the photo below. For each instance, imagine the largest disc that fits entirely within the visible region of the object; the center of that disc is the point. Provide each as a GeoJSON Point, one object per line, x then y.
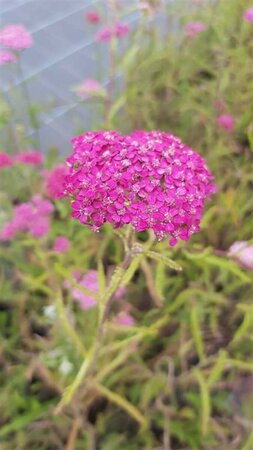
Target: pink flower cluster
{"type": "Point", "coordinates": [15, 37]}
{"type": "Point", "coordinates": [5, 160]}
{"type": "Point", "coordinates": [242, 251]}
{"type": "Point", "coordinates": [93, 17]}
{"type": "Point", "coordinates": [61, 244]}
{"type": "Point", "coordinates": [124, 319]}
{"type": "Point", "coordinates": [90, 88]}
{"type": "Point", "coordinates": [7, 57]}
{"type": "Point", "coordinates": [150, 180]}
{"type": "Point", "coordinates": [88, 281]}
{"type": "Point", "coordinates": [32, 157]}
{"type": "Point", "coordinates": [33, 217]}
{"type": "Point", "coordinates": [226, 122]}
{"type": "Point", "coordinates": [55, 181]}
{"type": "Point", "coordinates": [192, 29]}
{"type": "Point", "coordinates": [248, 15]}
{"type": "Point", "coordinates": [118, 30]}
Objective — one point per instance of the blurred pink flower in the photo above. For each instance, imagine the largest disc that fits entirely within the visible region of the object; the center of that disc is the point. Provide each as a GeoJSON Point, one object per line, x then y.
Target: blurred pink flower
{"type": "Point", "coordinates": [144, 6]}
{"type": "Point", "coordinates": [105, 34]}
{"type": "Point", "coordinates": [30, 217]}
{"type": "Point", "coordinates": [42, 206]}
{"type": "Point", "coordinates": [118, 30]}
{"type": "Point", "coordinates": [242, 252]}
{"type": "Point", "coordinates": [16, 37]}
{"type": "Point", "coordinates": [90, 88]}
{"type": "Point", "coordinates": [5, 160]}
{"type": "Point", "coordinates": [33, 157]}
{"type": "Point", "coordinates": [226, 122]}
{"type": "Point", "coordinates": [192, 29]}
{"type": "Point", "coordinates": [121, 29]}
{"type": "Point", "coordinates": [40, 226]}
{"type": "Point", "coordinates": [120, 292]}
{"type": "Point", "coordinates": [7, 57]}
{"type": "Point", "coordinates": [248, 15]}
{"type": "Point", "coordinates": [61, 244]}
{"type": "Point", "coordinates": [93, 17]}
{"type": "Point", "coordinates": [9, 231]}
{"type": "Point", "coordinates": [88, 281]}
{"type": "Point", "coordinates": [125, 319]}
{"type": "Point", "coordinates": [55, 180]}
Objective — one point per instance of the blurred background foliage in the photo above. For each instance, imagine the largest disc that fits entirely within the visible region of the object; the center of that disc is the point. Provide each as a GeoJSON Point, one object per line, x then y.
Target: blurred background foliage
{"type": "Point", "coordinates": [186, 366]}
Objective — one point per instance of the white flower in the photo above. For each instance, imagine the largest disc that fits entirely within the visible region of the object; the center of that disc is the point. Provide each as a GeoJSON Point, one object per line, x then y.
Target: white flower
{"type": "Point", "coordinates": [65, 367]}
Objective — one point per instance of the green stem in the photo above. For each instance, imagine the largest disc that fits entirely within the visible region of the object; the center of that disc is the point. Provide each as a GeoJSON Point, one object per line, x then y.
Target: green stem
{"type": "Point", "coordinates": [68, 328]}
{"type": "Point", "coordinates": [26, 96]}
{"type": "Point", "coordinates": [105, 304]}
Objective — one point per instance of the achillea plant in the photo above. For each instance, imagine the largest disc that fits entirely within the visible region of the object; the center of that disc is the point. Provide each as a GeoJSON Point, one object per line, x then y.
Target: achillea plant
{"type": "Point", "coordinates": [145, 181]}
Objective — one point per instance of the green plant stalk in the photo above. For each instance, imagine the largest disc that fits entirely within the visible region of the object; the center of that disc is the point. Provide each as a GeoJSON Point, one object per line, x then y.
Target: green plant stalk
{"type": "Point", "coordinates": [105, 302]}
{"type": "Point", "coordinates": [68, 328]}
{"type": "Point", "coordinates": [27, 99]}
{"type": "Point", "coordinates": [113, 397]}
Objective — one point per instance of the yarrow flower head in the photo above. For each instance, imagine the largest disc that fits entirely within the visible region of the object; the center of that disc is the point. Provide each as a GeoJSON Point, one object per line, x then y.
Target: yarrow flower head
{"type": "Point", "coordinates": [15, 37]}
{"type": "Point", "coordinates": [226, 122]}
{"type": "Point", "coordinates": [32, 157]}
{"type": "Point", "coordinates": [150, 180]}
{"type": "Point", "coordinates": [55, 181]}
{"type": "Point", "coordinates": [248, 15]}
{"type": "Point", "coordinates": [90, 88]}
{"type": "Point", "coordinates": [192, 29]}
{"type": "Point", "coordinates": [93, 17]}
{"type": "Point", "coordinates": [30, 217]}
{"type": "Point", "coordinates": [7, 57]}
{"type": "Point", "coordinates": [118, 30]}
{"type": "Point", "coordinates": [5, 160]}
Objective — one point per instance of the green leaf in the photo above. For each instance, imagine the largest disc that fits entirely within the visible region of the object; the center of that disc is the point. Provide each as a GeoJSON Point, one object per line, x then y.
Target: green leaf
{"type": "Point", "coordinates": [160, 278]}
{"type": "Point", "coordinates": [164, 259]}
{"type": "Point", "coordinates": [196, 331]}
{"type": "Point", "coordinates": [218, 368]}
{"type": "Point", "coordinates": [22, 421]}
{"type": "Point", "coordinates": [250, 135]}
{"type": "Point", "coordinates": [117, 105]}
{"type": "Point", "coordinates": [68, 276]}
{"type": "Point", "coordinates": [135, 264]}
{"type": "Point", "coordinates": [114, 284]}
{"type": "Point", "coordinates": [205, 401]}
{"type": "Point", "coordinates": [101, 277]}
